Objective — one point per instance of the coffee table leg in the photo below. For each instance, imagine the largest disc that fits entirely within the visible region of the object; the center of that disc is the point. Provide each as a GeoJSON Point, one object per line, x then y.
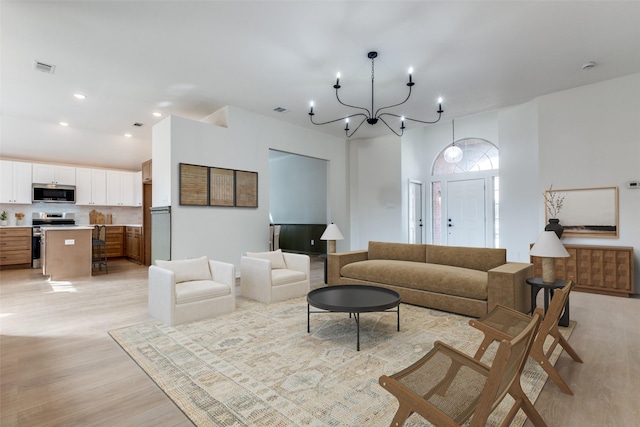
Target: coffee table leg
{"type": "Point", "coordinates": [398, 318]}
{"type": "Point", "coordinates": [357, 317]}
{"type": "Point", "coordinates": [308, 321]}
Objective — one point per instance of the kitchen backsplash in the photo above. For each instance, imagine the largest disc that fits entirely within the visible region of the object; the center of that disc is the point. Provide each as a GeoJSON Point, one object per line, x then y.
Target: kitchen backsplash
{"type": "Point", "coordinates": [121, 215]}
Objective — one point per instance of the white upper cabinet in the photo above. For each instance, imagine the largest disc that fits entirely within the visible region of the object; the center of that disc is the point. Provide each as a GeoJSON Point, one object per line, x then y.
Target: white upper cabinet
{"type": "Point", "coordinates": [54, 174]}
{"type": "Point", "coordinates": [91, 187]}
{"type": "Point", "coordinates": [15, 182]}
{"type": "Point", "coordinates": [137, 188]}
{"type": "Point", "coordinates": [120, 188]}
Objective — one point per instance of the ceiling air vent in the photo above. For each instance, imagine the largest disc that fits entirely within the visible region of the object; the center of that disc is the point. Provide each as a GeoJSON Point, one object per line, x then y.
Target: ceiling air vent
{"type": "Point", "coordinates": [137, 124]}
{"type": "Point", "coordinates": [280, 110]}
{"type": "Point", "coordinates": [45, 68]}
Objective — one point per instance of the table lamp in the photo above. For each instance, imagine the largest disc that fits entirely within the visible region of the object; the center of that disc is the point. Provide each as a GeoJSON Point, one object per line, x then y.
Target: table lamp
{"type": "Point", "coordinates": [332, 233]}
{"type": "Point", "coordinates": [548, 247]}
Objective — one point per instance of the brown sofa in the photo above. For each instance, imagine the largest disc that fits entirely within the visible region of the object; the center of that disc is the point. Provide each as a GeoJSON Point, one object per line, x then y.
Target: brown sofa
{"type": "Point", "coordinates": [464, 280]}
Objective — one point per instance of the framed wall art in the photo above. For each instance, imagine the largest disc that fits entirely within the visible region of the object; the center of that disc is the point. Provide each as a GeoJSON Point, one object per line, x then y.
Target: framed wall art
{"type": "Point", "coordinates": [221, 187]}
{"type": "Point", "coordinates": [193, 185]}
{"type": "Point", "coordinates": [586, 212]}
{"type": "Point", "coordinates": [246, 189]}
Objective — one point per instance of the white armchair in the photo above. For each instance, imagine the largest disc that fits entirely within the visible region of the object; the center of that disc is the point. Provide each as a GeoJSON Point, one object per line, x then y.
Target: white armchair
{"type": "Point", "coordinates": [193, 289]}
{"type": "Point", "coordinates": [274, 276]}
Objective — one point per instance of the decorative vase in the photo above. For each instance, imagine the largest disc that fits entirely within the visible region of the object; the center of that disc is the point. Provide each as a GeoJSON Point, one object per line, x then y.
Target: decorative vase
{"type": "Point", "coordinates": [3, 222]}
{"type": "Point", "coordinates": [555, 226]}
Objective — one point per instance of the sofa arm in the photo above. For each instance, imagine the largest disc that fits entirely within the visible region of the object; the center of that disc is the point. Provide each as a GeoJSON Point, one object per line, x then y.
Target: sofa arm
{"type": "Point", "coordinates": [507, 286]}
{"type": "Point", "coordinates": [298, 262]}
{"type": "Point", "coordinates": [223, 272]}
{"type": "Point", "coordinates": [335, 262]}
{"type": "Point", "coordinates": [255, 278]}
{"type": "Point", "coordinates": [162, 294]}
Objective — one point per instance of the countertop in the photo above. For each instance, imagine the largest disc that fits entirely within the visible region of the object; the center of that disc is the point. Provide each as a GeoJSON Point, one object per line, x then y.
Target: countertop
{"type": "Point", "coordinates": [77, 225]}
{"type": "Point", "coordinates": [64, 227]}
{"type": "Point", "coordinates": [16, 226]}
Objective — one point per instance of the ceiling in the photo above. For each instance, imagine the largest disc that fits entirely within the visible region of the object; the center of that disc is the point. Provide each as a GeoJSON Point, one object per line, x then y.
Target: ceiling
{"type": "Point", "coordinates": [191, 58]}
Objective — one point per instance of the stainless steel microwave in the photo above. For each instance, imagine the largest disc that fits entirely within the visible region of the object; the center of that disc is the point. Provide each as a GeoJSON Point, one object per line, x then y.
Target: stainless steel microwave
{"type": "Point", "coordinates": [53, 193]}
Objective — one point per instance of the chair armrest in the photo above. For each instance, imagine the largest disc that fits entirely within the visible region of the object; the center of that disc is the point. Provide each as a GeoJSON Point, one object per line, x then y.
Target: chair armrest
{"type": "Point", "coordinates": [162, 294]}
{"type": "Point", "coordinates": [223, 272]}
{"type": "Point", "coordinates": [297, 262]}
{"type": "Point", "coordinates": [507, 286]}
{"type": "Point", "coordinates": [335, 262]}
{"type": "Point", "coordinates": [255, 278]}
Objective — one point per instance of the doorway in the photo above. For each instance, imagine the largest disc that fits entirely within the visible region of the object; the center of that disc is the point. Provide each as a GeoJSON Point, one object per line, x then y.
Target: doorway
{"type": "Point", "coordinates": [466, 213]}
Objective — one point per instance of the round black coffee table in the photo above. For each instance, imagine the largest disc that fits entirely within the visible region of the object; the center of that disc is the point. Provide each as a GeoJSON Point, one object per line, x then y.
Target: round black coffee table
{"type": "Point", "coordinates": [352, 299]}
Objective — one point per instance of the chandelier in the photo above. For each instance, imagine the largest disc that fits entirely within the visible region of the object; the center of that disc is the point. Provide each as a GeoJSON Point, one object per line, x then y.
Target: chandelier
{"type": "Point", "coordinates": [372, 116]}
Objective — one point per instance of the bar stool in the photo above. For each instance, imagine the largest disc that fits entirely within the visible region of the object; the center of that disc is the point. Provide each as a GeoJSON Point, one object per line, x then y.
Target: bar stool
{"type": "Point", "coordinates": [99, 247]}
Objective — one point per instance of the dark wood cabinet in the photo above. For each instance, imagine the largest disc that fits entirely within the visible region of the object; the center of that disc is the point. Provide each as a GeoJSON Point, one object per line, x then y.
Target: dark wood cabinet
{"type": "Point", "coordinates": [303, 238]}
{"type": "Point", "coordinates": [115, 241]}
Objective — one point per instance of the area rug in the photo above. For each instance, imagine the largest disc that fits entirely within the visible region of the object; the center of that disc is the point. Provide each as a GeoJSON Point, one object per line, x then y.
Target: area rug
{"type": "Point", "coordinates": [258, 366]}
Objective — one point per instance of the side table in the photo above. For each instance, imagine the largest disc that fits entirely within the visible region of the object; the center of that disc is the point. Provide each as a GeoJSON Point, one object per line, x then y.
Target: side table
{"type": "Point", "coordinates": [536, 284]}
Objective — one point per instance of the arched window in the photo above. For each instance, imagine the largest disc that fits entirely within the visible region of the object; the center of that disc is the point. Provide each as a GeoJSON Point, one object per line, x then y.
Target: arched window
{"type": "Point", "coordinates": [477, 155]}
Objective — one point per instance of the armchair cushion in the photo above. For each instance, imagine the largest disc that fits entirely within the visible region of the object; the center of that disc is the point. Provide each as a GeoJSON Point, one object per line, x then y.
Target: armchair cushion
{"type": "Point", "coordinates": [187, 270]}
{"type": "Point", "coordinates": [283, 276]}
{"type": "Point", "coordinates": [199, 290]}
{"type": "Point", "coordinates": [276, 258]}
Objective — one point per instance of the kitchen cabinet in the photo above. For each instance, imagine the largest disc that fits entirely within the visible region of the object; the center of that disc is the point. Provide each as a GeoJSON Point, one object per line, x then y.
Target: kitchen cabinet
{"type": "Point", "coordinates": [15, 185]}
{"type": "Point", "coordinates": [54, 174]}
{"type": "Point", "coordinates": [115, 241]}
{"type": "Point", "coordinates": [146, 171]}
{"type": "Point", "coordinates": [15, 246]}
{"type": "Point", "coordinates": [133, 242]}
{"type": "Point", "coordinates": [120, 188]}
{"type": "Point", "coordinates": [91, 187]}
{"type": "Point", "coordinates": [137, 189]}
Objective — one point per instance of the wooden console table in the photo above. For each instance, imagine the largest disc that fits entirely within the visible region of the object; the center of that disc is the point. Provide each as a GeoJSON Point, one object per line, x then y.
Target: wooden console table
{"type": "Point", "coordinates": [599, 269]}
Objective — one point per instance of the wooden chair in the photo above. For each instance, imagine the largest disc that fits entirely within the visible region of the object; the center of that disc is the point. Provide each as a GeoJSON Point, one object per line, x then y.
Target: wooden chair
{"type": "Point", "coordinates": [99, 248]}
{"type": "Point", "coordinates": [447, 387]}
{"type": "Point", "coordinates": [502, 323]}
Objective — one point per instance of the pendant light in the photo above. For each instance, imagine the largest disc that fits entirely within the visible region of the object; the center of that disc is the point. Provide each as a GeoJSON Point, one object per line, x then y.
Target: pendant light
{"type": "Point", "coordinates": [453, 154]}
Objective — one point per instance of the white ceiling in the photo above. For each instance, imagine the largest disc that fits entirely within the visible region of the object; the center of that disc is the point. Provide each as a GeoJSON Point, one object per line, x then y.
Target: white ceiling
{"type": "Point", "coordinates": [191, 58]}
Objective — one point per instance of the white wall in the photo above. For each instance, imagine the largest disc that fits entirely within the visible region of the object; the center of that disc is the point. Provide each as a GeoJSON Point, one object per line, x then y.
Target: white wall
{"type": "Point", "coordinates": [298, 189]}
{"type": "Point", "coordinates": [376, 200]}
{"type": "Point", "coordinates": [224, 233]}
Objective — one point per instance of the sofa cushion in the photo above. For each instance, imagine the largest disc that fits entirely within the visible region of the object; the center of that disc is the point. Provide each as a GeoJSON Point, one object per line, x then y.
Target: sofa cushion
{"type": "Point", "coordinates": [284, 276]}
{"type": "Point", "coordinates": [276, 258]}
{"type": "Point", "coordinates": [463, 282]}
{"type": "Point", "coordinates": [186, 270]}
{"type": "Point", "coordinates": [198, 290]}
{"type": "Point", "coordinates": [482, 259]}
{"type": "Point", "coordinates": [397, 251]}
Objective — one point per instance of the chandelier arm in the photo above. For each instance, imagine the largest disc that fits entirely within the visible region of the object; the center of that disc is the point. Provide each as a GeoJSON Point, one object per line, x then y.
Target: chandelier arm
{"type": "Point", "coordinates": [356, 129]}
{"type": "Point", "coordinates": [394, 105]}
{"type": "Point", "coordinates": [337, 120]}
{"type": "Point", "coordinates": [414, 120]}
{"type": "Point", "coordinates": [390, 128]}
{"type": "Point", "coordinates": [352, 106]}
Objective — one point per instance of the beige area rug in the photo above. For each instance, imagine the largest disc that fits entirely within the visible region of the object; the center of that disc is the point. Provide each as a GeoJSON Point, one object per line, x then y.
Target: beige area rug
{"type": "Point", "coordinates": [258, 366]}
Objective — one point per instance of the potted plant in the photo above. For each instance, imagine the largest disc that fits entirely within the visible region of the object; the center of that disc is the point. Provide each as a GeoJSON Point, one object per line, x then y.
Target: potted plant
{"type": "Point", "coordinates": [19, 217]}
{"type": "Point", "coordinates": [3, 217]}
{"type": "Point", "coordinates": [553, 201]}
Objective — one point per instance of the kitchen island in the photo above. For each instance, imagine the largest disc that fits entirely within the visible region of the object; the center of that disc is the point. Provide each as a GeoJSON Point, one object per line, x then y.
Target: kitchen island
{"type": "Point", "coordinates": [66, 251]}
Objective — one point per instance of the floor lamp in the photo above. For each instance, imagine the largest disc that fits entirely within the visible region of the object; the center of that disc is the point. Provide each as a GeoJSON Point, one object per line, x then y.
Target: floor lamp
{"type": "Point", "coordinates": [549, 247]}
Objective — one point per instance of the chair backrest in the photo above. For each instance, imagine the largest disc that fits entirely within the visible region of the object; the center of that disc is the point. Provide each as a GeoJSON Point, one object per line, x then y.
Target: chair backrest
{"type": "Point", "coordinates": [506, 368]}
{"type": "Point", "coordinates": [100, 232]}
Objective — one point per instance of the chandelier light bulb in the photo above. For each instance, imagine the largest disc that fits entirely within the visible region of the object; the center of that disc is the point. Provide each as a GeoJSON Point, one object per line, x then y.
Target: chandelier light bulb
{"type": "Point", "coordinates": [311, 108]}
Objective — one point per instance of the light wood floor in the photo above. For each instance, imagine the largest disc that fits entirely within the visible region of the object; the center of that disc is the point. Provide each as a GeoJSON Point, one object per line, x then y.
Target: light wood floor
{"type": "Point", "coordinates": [58, 365]}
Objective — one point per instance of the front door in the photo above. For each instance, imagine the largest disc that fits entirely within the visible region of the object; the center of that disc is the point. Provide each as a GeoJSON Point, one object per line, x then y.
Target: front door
{"type": "Point", "coordinates": [466, 213]}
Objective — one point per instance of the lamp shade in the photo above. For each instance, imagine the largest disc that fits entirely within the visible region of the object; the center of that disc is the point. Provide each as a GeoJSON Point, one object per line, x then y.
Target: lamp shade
{"type": "Point", "coordinates": [332, 233]}
{"type": "Point", "coordinates": [549, 246]}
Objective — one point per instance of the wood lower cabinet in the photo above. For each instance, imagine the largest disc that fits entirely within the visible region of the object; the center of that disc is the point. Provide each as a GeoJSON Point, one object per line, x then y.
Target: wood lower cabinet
{"type": "Point", "coordinates": [115, 241]}
{"type": "Point", "coordinates": [598, 269]}
{"type": "Point", "coordinates": [133, 241]}
{"type": "Point", "coordinates": [15, 246]}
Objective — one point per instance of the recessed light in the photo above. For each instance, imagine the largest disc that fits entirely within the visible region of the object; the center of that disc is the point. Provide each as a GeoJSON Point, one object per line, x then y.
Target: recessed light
{"type": "Point", "coordinates": [128, 135]}
{"type": "Point", "coordinates": [63, 124]}
{"type": "Point", "coordinates": [157, 114]}
{"type": "Point", "coordinates": [80, 96]}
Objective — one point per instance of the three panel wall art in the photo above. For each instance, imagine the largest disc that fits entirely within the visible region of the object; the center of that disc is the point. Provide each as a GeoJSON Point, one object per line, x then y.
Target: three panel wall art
{"type": "Point", "coordinates": [211, 186]}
